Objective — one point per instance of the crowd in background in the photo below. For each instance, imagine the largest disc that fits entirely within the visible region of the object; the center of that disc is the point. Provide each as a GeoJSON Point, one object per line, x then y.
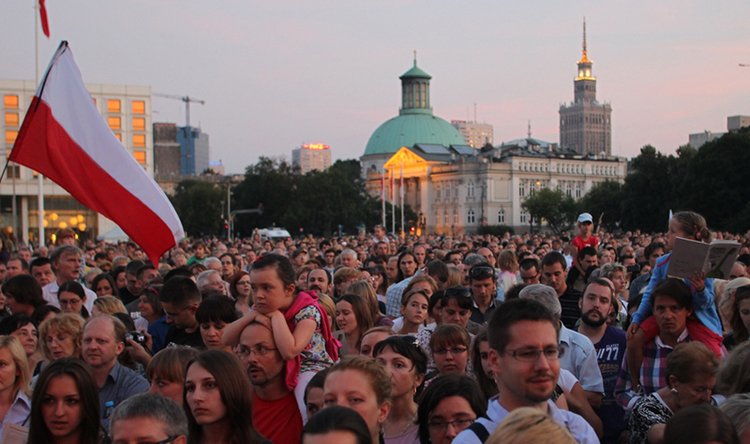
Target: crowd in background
{"type": "Point", "coordinates": [581, 337]}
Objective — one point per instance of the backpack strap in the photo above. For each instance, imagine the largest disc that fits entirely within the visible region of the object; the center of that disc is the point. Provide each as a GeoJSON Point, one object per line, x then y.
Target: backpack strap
{"type": "Point", "coordinates": [480, 430]}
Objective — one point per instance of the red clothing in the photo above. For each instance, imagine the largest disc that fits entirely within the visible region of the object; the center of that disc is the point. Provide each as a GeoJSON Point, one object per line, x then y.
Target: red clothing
{"type": "Point", "coordinates": [279, 420]}
{"type": "Point", "coordinates": [579, 243]}
{"type": "Point", "coordinates": [696, 331]}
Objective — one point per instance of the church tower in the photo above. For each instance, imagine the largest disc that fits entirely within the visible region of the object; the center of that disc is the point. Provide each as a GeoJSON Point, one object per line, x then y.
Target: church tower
{"type": "Point", "coordinates": [585, 124]}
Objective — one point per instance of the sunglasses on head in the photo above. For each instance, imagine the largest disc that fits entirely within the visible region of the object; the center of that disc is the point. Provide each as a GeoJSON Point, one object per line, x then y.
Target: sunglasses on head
{"type": "Point", "coordinates": [481, 272]}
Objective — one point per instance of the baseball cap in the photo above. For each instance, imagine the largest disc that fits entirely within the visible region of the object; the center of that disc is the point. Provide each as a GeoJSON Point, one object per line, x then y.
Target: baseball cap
{"type": "Point", "coordinates": [585, 217]}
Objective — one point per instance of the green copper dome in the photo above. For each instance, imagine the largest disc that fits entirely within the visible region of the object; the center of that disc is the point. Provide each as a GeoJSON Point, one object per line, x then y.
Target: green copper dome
{"type": "Point", "coordinates": [410, 129]}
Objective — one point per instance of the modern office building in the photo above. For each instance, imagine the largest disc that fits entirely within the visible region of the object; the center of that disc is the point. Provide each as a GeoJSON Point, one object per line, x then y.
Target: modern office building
{"type": "Point", "coordinates": [586, 124]}
{"type": "Point", "coordinates": [476, 134]}
{"type": "Point", "coordinates": [311, 156]}
{"type": "Point", "coordinates": [194, 150]}
{"type": "Point", "coordinates": [166, 151]}
{"type": "Point", "coordinates": [734, 123]}
{"type": "Point", "coordinates": [127, 111]}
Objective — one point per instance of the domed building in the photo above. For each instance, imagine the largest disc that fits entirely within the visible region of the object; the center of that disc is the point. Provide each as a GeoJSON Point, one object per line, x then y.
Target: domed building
{"type": "Point", "coordinates": [415, 124]}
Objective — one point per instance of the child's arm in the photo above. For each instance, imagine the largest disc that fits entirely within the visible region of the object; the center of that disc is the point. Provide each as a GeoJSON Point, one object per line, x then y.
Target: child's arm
{"type": "Point", "coordinates": [644, 309]}
{"type": "Point", "coordinates": [232, 331]}
{"type": "Point", "coordinates": [635, 358]}
{"type": "Point", "coordinates": [289, 343]}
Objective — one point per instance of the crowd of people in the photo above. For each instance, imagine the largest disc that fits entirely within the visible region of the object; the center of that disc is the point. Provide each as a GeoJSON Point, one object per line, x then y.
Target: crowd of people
{"type": "Point", "coordinates": [374, 338]}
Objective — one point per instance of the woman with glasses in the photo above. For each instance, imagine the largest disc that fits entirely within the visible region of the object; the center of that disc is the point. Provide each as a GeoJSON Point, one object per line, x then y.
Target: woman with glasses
{"type": "Point", "coordinates": [72, 299]}
{"type": "Point", "coordinates": [61, 336]}
{"type": "Point", "coordinates": [406, 364]}
{"type": "Point", "coordinates": [449, 405]}
{"type": "Point", "coordinates": [218, 400]}
{"type": "Point", "coordinates": [450, 350]}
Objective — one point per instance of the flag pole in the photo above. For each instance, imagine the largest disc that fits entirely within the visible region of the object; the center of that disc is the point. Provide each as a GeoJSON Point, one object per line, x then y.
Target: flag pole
{"type": "Point", "coordinates": [382, 196]}
{"type": "Point", "coordinates": [40, 178]}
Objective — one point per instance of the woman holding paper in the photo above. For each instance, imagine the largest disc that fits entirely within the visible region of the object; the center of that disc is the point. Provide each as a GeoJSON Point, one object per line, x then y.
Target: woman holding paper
{"type": "Point", "coordinates": [707, 328]}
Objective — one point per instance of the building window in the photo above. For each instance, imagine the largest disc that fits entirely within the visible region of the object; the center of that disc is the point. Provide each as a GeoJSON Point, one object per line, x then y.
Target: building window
{"type": "Point", "coordinates": [11, 101]}
{"type": "Point", "coordinates": [470, 217]}
{"type": "Point", "coordinates": [139, 124]}
{"type": "Point", "coordinates": [114, 123]}
{"type": "Point", "coordinates": [455, 216]}
{"type": "Point", "coordinates": [140, 157]}
{"type": "Point", "coordinates": [10, 136]}
{"type": "Point", "coordinates": [524, 217]}
{"type": "Point", "coordinates": [522, 189]}
{"type": "Point", "coordinates": [138, 107]}
{"type": "Point", "coordinates": [113, 106]}
{"type": "Point", "coordinates": [11, 119]}
{"type": "Point", "coordinates": [118, 136]}
{"type": "Point", "coordinates": [470, 191]}
{"type": "Point", "coordinates": [501, 216]}
{"type": "Point", "coordinates": [139, 140]}
{"type": "Point", "coordinates": [578, 190]}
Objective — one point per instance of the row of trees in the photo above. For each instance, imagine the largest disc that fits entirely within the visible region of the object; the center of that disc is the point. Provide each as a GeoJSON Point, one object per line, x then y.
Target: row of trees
{"type": "Point", "coordinates": [711, 180]}
{"type": "Point", "coordinates": [319, 202]}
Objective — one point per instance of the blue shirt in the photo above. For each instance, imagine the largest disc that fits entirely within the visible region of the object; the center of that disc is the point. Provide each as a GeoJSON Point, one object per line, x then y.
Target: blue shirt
{"type": "Point", "coordinates": [393, 297]}
{"type": "Point", "coordinates": [576, 425]}
{"type": "Point", "coordinates": [121, 384]}
{"type": "Point", "coordinates": [579, 357]}
{"type": "Point", "coordinates": [18, 413]}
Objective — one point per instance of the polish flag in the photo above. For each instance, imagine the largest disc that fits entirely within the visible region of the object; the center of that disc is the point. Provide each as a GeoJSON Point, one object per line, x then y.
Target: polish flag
{"type": "Point", "coordinates": [64, 137]}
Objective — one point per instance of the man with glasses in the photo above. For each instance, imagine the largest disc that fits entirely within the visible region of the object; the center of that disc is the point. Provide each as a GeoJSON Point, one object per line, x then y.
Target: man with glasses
{"type": "Point", "coordinates": [180, 299]}
{"type": "Point", "coordinates": [524, 357]}
{"type": "Point", "coordinates": [149, 418]}
{"type": "Point", "coordinates": [483, 284]}
{"type": "Point", "coordinates": [529, 271]}
{"type": "Point", "coordinates": [276, 414]}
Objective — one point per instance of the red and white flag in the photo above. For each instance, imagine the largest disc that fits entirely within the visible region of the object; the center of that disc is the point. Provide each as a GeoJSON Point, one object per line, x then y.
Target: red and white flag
{"type": "Point", "coordinates": [64, 137]}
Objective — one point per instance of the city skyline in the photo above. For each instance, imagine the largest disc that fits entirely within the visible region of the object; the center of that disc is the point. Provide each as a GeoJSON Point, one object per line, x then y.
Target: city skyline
{"type": "Point", "coordinates": [329, 70]}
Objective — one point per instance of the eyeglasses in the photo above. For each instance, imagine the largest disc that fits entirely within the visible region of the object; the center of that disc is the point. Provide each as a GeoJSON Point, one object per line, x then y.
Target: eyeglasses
{"type": "Point", "coordinates": [243, 351]}
{"type": "Point", "coordinates": [481, 272]}
{"type": "Point", "coordinates": [452, 350]}
{"type": "Point", "coordinates": [533, 354]}
{"type": "Point", "coordinates": [460, 424]}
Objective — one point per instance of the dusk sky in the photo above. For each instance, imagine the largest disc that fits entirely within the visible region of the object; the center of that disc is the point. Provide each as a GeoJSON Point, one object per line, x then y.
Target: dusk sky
{"type": "Point", "coordinates": [278, 74]}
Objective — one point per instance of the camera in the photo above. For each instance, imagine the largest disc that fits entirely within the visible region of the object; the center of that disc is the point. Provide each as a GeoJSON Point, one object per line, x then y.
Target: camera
{"type": "Point", "coordinates": [135, 336]}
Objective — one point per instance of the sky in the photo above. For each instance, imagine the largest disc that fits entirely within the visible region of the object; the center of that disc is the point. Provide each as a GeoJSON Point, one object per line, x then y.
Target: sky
{"type": "Point", "coordinates": [276, 74]}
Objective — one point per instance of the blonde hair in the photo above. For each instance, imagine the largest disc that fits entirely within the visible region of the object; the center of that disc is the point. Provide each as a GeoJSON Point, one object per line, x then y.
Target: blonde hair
{"type": "Point", "coordinates": [68, 323]}
{"type": "Point", "coordinates": [19, 358]}
{"type": "Point", "coordinates": [527, 424]}
{"type": "Point", "coordinates": [455, 277]}
{"type": "Point", "coordinates": [375, 375]}
{"type": "Point", "coordinates": [109, 305]}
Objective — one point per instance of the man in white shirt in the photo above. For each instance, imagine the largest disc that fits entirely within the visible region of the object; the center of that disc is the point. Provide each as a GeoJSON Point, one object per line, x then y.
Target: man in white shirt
{"type": "Point", "coordinates": [67, 263]}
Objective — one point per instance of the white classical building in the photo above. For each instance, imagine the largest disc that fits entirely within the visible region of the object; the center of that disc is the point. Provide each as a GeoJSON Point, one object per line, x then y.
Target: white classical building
{"type": "Point", "coordinates": [455, 189]}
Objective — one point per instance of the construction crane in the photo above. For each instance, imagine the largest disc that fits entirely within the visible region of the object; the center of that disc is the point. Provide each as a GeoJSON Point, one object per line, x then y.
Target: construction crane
{"type": "Point", "coordinates": [186, 99]}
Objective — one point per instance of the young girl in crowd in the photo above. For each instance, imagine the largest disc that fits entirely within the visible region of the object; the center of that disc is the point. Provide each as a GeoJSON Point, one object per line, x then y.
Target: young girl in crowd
{"type": "Point", "coordinates": [218, 400]}
{"type": "Point", "coordinates": [707, 328]}
{"type": "Point", "coordinates": [371, 337]}
{"type": "Point", "coordinates": [300, 327]}
{"type": "Point", "coordinates": [65, 405]}
{"type": "Point", "coordinates": [362, 384]}
{"type": "Point", "coordinates": [450, 349]}
{"type": "Point", "coordinates": [406, 364]}
{"type": "Point", "coordinates": [449, 405]}
{"type": "Point", "coordinates": [414, 311]}
{"type": "Point", "coordinates": [166, 371]}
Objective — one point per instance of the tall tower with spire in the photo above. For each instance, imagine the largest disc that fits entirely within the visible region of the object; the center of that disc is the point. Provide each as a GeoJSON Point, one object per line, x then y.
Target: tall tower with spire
{"type": "Point", "coordinates": [586, 124]}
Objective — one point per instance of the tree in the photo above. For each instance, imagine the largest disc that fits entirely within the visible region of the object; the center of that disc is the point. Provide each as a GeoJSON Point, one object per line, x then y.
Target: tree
{"type": "Point", "coordinates": [715, 184]}
{"type": "Point", "coordinates": [199, 205]}
{"type": "Point", "coordinates": [554, 206]}
{"type": "Point", "coordinates": [605, 200]}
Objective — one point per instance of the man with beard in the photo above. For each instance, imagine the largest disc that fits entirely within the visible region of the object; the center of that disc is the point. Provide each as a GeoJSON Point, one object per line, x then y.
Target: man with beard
{"type": "Point", "coordinates": [525, 359]}
{"type": "Point", "coordinates": [275, 412]}
{"type": "Point", "coordinates": [596, 305]}
{"type": "Point", "coordinates": [319, 280]}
